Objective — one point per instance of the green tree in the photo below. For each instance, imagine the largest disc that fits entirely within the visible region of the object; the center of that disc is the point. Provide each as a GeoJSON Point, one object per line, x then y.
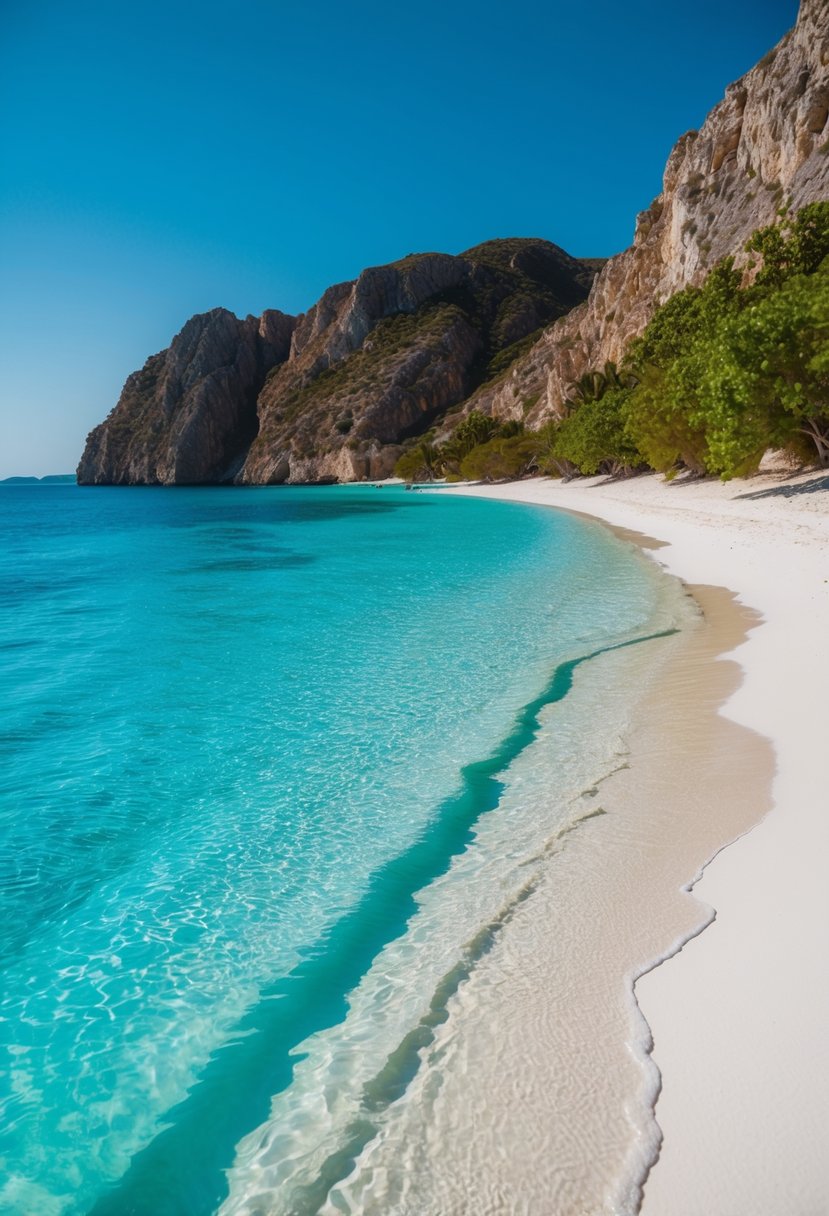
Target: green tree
{"type": "Point", "coordinates": [595, 439]}
{"type": "Point", "coordinates": [727, 372]}
{"type": "Point", "coordinates": [421, 463]}
{"type": "Point", "coordinates": [500, 459]}
{"type": "Point", "coordinates": [768, 375]}
{"type": "Point", "coordinates": [594, 384]}
{"type": "Point", "coordinates": [659, 426]}
{"type": "Point", "coordinates": [547, 459]}
{"type": "Point", "coordinates": [796, 246]}
{"type": "Point", "coordinates": [476, 428]}
{"type": "Point", "coordinates": [666, 417]}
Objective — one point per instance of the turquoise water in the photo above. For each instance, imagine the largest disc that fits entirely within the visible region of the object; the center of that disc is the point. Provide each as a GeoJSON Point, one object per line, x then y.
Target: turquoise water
{"type": "Point", "coordinates": [242, 730]}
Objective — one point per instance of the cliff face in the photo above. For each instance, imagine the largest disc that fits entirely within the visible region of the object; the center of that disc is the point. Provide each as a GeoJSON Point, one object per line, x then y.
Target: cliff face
{"type": "Point", "coordinates": [379, 359]}
{"type": "Point", "coordinates": [189, 415]}
{"type": "Point", "coordinates": [328, 396]}
{"type": "Point", "coordinates": [763, 148]}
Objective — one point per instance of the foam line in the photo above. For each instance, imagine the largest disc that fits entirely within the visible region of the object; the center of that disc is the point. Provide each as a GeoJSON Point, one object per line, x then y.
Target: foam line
{"type": "Point", "coordinates": [181, 1172]}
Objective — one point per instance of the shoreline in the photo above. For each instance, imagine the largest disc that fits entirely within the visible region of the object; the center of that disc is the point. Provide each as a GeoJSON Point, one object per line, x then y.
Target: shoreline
{"type": "Point", "coordinates": [741, 1094]}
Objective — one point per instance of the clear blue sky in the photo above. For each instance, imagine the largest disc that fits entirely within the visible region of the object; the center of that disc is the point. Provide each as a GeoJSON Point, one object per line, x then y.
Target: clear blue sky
{"type": "Point", "coordinates": [161, 158]}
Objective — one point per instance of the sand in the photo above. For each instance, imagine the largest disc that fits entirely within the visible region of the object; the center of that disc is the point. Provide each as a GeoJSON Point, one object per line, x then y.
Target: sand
{"type": "Point", "coordinates": [739, 1017]}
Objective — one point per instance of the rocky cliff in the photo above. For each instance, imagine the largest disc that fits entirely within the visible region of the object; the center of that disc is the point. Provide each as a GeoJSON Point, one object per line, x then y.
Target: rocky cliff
{"type": "Point", "coordinates": [380, 359]}
{"type": "Point", "coordinates": [764, 149]}
{"type": "Point", "coordinates": [328, 396]}
{"type": "Point", "coordinates": [189, 416]}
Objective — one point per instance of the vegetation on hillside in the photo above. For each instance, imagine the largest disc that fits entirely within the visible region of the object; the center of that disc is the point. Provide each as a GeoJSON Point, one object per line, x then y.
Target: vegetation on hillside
{"type": "Point", "coordinates": [476, 329]}
{"type": "Point", "coordinates": [480, 448]}
{"type": "Point", "coordinates": [728, 370]}
{"type": "Point", "coordinates": [722, 373]}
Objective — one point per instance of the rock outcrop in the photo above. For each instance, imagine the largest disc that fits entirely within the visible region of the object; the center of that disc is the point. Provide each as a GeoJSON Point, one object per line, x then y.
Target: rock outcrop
{"type": "Point", "coordinates": [380, 359]}
{"type": "Point", "coordinates": [762, 151]}
{"type": "Point", "coordinates": [189, 416]}
{"type": "Point", "coordinates": [330, 395]}
{"type": "Point", "coordinates": [504, 328]}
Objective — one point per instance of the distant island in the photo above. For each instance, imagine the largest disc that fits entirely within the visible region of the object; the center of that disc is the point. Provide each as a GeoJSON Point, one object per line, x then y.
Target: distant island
{"type": "Point", "coordinates": [51, 479]}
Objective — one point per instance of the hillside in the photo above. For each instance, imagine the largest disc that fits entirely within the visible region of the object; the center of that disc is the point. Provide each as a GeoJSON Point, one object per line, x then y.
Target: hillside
{"type": "Point", "coordinates": [503, 329]}
{"type": "Point", "coordinates": [330, 395]}
{"type": "Point", "coordinates": [763, 150]}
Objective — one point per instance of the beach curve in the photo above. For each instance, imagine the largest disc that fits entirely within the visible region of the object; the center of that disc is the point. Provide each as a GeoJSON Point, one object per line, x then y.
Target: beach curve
{"type": "Point", "coordinates": [738, 1023]}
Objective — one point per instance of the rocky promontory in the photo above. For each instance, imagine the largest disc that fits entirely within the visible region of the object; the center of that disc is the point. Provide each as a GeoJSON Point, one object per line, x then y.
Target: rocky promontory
{"type": "Point", "coordinates": [330, 395]}
{"type": "Point", "coordinates": [381, 359]}
{"type": "Point", "coordinates": [504, 328]}
{"type": "Point", "coordinates": [189, 415]}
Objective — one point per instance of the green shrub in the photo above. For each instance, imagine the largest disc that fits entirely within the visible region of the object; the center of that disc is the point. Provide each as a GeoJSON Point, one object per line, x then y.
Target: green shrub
{"type": "Point", "coordinates": [595, 438]}
{"type": "Point", "coordinates": [501, 459]}
{"type": "Point", "coordinates": [726, 371]}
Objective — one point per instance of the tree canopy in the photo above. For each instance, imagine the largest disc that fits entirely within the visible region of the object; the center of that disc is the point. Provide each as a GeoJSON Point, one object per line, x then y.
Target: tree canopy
{"type": "Point", "coordinates": [721, 373]}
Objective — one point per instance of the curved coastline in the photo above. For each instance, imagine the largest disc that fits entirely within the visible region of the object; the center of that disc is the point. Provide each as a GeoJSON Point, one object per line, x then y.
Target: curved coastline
{"type": "Point", "coordinates": [525, 1081]}
{"type": "Point", "coordinates": [532, 1088]}
{"type": "Point", "coordinates": [736, 1078]}
{"type": "Point", "coordinates": [359, 1154]}
{"type": "Point", "coordinates": [533, 619]}
{"type": "Point", "coordinates": [538, 1095]}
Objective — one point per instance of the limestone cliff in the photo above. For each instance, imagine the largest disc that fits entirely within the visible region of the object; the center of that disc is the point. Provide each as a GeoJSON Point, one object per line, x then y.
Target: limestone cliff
{"type": "Point", "coordinates": [411, 346]}
{"type": "Point", "coordinates": [762, 149]}
{"type": "Point", "coordinates": [189, 416]}
{"type": "Point", "coordinates": [379, 359]}
{"type": "Point", "coordinates": [328, 396]}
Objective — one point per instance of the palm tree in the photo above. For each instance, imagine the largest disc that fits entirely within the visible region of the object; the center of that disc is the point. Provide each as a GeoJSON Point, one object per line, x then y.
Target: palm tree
{"type": "Point", "coordinates": [432, 460]}
{"type": "Point", "coordinates": [593, 385]}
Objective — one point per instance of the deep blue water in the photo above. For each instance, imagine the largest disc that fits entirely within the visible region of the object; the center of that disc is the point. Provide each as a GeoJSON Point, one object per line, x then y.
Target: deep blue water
{"type": "Point", "coordinates": [241, 729]}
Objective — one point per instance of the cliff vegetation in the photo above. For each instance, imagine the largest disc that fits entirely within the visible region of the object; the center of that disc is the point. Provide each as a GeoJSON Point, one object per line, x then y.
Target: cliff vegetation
{"type": "Point", "coordinates": [722, 373]}
{"type": "Point", "coordinates": [693, 348]}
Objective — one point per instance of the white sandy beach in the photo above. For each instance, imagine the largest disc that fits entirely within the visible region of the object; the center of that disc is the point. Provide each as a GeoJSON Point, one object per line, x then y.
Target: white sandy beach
{"type": "Point", "coordinates": [739, 1018]}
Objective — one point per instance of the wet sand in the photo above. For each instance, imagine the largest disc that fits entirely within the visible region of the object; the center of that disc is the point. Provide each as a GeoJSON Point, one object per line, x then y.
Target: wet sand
{"type": "Point", "coordinates": [739, 1068]}
{"type": "Point", "coordinates": [537, 1095]}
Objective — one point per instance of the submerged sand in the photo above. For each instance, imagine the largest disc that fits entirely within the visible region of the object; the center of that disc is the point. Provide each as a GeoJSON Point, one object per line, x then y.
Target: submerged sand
{"type": "Point", "coordinates": [528, 1086]}
{"type": "Point", "coordinates": [740, 1063]}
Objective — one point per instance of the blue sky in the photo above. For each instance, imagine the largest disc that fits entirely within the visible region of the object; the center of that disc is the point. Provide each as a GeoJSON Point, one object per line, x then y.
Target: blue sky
{"type": "Point", "coordinates": [159, 159]}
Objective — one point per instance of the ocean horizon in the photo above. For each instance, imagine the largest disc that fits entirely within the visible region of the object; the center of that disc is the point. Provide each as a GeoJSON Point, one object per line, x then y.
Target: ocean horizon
{"type": "Point", "coordinates": [275, 760]}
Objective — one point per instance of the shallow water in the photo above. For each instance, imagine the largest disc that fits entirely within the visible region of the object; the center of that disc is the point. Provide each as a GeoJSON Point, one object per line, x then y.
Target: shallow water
{"type": "Point", "coordinates": [263, 754]}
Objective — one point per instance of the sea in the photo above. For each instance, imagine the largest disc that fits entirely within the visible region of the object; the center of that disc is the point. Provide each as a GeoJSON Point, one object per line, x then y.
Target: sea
{"type": "Point", "coordinates": [274, 761]}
